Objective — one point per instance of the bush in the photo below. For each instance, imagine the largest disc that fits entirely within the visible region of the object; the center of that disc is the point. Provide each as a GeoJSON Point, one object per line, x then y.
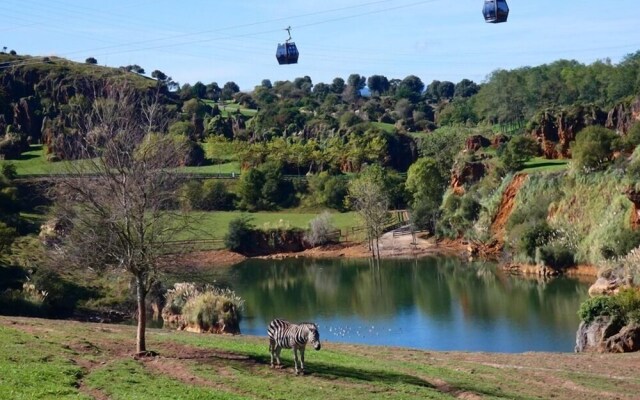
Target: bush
{"type": "Point", "coordinates": [621, 243]}
{"type": "Point", "coordinates": [239, 233]}
{"type": "Point", "coordinates": [533, 236]}
{"type": "Point", "coordinates": [623, 307]}
{"type": "Point", "coordinates": [321, 231]}
{"type": "Point", "coordinates": [593, 148]}
{"type": "Point", "coordinates": [519, 150]}
{"type": "Point", "coordinates": [599, 306]}
{"type": "Point", "coordinates": [207, 307]}
{"type": "Point", "coordinates": [633, 136]}
{"type": "Point", "coordinates": [62, 296]}
{"type": "Point", "coordinates": [555, 256]}
{"type": "Point", "coordinates": [216, 196]}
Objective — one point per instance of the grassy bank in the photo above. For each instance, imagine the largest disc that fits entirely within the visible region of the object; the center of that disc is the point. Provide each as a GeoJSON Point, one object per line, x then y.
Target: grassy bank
{"type": "Point", "coordinates": [61, 359]}
{"type": "Point", "coordinates": [215, 225]}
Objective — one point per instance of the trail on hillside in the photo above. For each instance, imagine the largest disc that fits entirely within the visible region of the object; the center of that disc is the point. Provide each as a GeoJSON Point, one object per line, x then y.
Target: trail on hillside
{"type": "Point", "coordinates": [505, 209]}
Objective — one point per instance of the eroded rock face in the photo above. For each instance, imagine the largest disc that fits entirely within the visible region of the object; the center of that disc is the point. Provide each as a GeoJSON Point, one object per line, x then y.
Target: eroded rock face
{"type": "Point", "coordinates": [623, 116]}
{"type": "Point", "coordinates": [606, 335]}
{"type": "Point", "coordinates": [634, 196]}
{"type": "Point", "coordinates": [557, 129]}
{"type": "Point", "coordinates": [469, 173]}
{"type": "Point", "coordinates": [625, 341]}
{"type": "Point", "coordinates": [476, 142]}
{"type": "Point", "coordinates": [498, 140]}
{"type": "Point", "coordinates": [591, 337]}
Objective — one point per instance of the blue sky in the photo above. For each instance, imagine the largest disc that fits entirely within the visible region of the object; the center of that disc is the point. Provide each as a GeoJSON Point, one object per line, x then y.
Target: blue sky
{"type": "Point", "coordinates": [220, 41]}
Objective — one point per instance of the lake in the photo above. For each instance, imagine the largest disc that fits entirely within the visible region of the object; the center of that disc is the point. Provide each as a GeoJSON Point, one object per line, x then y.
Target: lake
{"type": "Point", "coordinates": [432, 303]}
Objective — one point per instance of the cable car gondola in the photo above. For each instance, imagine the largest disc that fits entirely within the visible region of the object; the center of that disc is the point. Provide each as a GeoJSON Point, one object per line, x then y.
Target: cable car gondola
{"type": "Point", "coordinates": [495, 11]}
{"type": "Point", "coordinates": [287, 53]}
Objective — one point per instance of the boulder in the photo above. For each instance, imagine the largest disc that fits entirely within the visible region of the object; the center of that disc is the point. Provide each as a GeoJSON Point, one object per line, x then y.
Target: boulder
{"type": "Point", "coordinates": [592, 336]}
{"type": "Point", "coordinates": [625, 341]}
{"type": "Point", "coordinates": [605, 286]}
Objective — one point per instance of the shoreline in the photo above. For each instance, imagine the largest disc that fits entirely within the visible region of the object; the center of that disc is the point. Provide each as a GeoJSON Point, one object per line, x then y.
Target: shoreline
{"type": "Point", "coordinates": [390, 248]}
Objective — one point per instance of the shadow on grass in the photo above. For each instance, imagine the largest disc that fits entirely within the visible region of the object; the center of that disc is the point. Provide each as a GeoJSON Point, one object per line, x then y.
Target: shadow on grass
{"type": "Point", "coordinates": [332, 372]}
{"type": "Point", "coordinates": [545, 165]}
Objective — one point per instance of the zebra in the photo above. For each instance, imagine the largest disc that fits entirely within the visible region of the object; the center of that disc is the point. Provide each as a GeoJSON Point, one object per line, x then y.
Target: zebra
{"type": "Point", "coordinates": [285, 335]}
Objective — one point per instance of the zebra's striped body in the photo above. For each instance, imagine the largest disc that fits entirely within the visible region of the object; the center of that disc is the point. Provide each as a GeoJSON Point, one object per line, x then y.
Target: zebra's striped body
{"type": "Point", "coordinates": [285, 335]}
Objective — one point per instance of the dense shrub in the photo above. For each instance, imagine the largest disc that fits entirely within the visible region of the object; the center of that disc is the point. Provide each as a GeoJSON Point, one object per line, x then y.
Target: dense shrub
{"type": "Point", "coordinates": [599, 306]}
{"type": "Point", "coordinates": [62, 296]}
{"type": "Point", "coordinates": [458, 215]}
{"type": "Point", "coordinates": [533, 236]}
{"type": "Point", "coordinates": [518, 151]}
{"type": "Point", "coordinates": [555, 256]}
{"type": "Point", "coordinates": [321, 230]}
{"type": "Point", "coordinates": [623, 307]}
{"type": "Point", "coordinates": [265, 188]}
{"type": "Point", "coordinates": [621, 243]}
{"type": "Point", "coordinates": [593, 148]}
{"type": "Point", "coordinates": [208, 196]}
{"type": "Point", "coordinates": [239, 234]}
{"type": "Point", "coordinates": [207, 307]}
{"type": "Point", "coordinates": [633, 136]}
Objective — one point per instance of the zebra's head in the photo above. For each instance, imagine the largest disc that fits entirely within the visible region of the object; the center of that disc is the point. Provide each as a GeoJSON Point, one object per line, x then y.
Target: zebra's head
{"type": "Point", "coordinates": [314, 336]}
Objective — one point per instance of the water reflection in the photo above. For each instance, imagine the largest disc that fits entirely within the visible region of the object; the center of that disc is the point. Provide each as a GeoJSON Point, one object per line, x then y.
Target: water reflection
{"type": "Point", "coordinates": [433, 303]}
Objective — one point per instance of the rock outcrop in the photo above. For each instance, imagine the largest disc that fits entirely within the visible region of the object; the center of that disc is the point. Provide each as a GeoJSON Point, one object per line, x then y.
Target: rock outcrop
{"type": "Point", "coordinates": [623, 116]}
{"type": "Point", "coordinates": [555, 130]}
{"type": "Point", "coordinates": [606, 335]}
{"type": "Point", "coordinates": [634, 196]}
{"type": "Point", "coordinates": [476, 142]}
{"type": "Point", "coordinates": [466, 174]}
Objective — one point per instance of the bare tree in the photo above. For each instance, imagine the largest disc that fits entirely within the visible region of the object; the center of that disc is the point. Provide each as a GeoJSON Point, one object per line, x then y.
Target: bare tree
{"type": "Point", "coordinates": [118, 198]}
{"type": "Point", "coordinates": [372, 205]}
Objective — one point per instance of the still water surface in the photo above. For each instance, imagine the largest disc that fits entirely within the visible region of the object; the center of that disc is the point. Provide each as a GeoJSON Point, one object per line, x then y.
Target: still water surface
{"type": "Point", "coordinates": [432, 303]}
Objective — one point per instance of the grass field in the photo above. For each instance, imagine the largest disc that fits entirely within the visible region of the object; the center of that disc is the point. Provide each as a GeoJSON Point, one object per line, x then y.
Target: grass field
{"type": "Point", "coordinates": [230, 107]}
{"type": "Point", "coordinates": [34, 162]}
{"type": "Point", "coordinates": [540, 164]}
{"type": "Point", "coordinates": [225, 168]}
{"type": "Point", "coordinates": [215, 225]}
{"type": "Point", "coordinates": [55, 359]}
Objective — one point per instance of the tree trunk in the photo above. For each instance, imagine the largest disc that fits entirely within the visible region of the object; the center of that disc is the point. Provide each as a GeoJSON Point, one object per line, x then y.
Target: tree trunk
{"type": "Point", "coordinates": [141, 345]}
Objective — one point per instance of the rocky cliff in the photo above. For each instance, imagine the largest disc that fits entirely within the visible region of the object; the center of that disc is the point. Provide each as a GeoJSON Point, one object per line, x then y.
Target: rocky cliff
{"type": "Point", "coordinates": [555, 129]}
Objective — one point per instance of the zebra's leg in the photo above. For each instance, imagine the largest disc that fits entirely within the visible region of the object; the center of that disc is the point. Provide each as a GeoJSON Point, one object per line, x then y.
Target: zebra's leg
{"type": "Point", "coordinates": [278, 350]}
{"type": "Point", "coordinates": [295, 358]}
{"type": "Point", "coordinates": [272, 346]}
{"type": "Point", "coordinates": [302, 360]}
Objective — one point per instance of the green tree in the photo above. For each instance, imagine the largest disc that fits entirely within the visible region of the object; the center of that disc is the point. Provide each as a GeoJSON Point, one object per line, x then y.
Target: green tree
{"type": "Point", "coordinates": [593, 148]}
{"type": "Point", "coordinates": [378, 84]}
{"type": "Point", "coordinates": [91, 60]}
{"type": "Point", "coordinates": [426, 186]}
{"type": "Point", "coordinates": [519, 150]}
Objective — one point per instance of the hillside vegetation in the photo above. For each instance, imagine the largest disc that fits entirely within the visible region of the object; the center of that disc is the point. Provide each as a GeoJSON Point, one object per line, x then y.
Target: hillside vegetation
{"type": "Point", "coordinates": [535, 165]}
